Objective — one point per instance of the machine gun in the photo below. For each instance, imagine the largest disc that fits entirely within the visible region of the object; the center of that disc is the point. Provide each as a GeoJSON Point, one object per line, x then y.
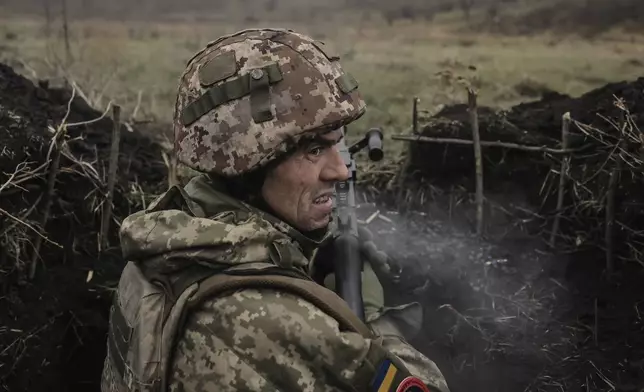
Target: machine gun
{"type": "Point", "coordinates": [346, 247]}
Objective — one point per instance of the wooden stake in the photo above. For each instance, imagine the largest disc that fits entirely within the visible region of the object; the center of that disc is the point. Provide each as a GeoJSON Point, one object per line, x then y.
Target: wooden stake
{"type": "Point", "coordinates": [610, 199]}
{"type": "Point", "coordinates": [478, 156]}
{"type": "Point", "coordinates": [49, 197]}
{"type": "Point", "coordinates": [111, 179]}
{"type": "Point", "coordinates": [596, 334]}
{"type": "Point", "coordinates": [565, 129]}
{"type": "Point", "coordinates": [414, 116]}
{"type": "Point", "coordinates": [405, 167]}
{"type": "Point", "coordinates": [513, 146]}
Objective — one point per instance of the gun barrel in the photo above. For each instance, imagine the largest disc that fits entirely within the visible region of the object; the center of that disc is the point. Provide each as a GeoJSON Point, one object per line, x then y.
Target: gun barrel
{"type": "Point", "coordinates": [348, 262]}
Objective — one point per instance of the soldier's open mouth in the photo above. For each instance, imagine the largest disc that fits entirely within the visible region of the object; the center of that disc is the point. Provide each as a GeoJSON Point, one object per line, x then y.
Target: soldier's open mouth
{"type": "Point", "coordinates": [322, 200]}
{"type": "Point", "coordinates": [324, 204]}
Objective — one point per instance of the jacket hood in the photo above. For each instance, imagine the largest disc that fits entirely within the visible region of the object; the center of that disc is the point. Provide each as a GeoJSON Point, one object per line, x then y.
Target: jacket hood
{"type": "Point", "coordinates": [202, 224]}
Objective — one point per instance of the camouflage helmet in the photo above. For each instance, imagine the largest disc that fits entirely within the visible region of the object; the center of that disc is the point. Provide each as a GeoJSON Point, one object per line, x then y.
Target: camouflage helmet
{"type": "Point", "coordinates": [248, 97]}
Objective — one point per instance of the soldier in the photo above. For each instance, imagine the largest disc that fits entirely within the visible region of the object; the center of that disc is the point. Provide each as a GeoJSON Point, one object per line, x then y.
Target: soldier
{"type": "Point", "coordinates": [217, 294]}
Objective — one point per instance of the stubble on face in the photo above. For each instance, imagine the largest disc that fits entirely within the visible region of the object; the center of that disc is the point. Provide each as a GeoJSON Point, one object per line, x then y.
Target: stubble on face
{"type": "Point", "coordinates": [300, 188]}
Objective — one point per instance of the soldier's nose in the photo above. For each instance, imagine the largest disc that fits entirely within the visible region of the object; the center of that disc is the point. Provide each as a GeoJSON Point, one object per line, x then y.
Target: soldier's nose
{"type": "Point", "coordinates": [335, 169]}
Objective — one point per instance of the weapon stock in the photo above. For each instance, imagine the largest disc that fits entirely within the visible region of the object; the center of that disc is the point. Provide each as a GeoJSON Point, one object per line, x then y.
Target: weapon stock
{"type": "Point", "coordinates": [347, 261]}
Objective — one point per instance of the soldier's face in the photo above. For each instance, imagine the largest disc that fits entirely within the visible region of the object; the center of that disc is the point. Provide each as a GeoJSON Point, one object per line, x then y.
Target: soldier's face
{"type": "Point", "coordinates": [300, 189]}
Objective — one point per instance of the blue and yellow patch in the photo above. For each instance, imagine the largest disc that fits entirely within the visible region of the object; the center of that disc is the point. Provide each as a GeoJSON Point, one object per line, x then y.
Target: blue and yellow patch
{"type": "Point", "coordinates": [385, 377]}
{"type": "Point", "coordinates": [390, 379]}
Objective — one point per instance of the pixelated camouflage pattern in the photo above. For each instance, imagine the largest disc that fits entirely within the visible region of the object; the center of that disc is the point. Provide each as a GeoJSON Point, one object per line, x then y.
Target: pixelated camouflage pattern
{"type": "Point", "coordinates": [147, 326]}
{"type": "Point", "coordinates": [226, 140]}
{"type": "Point", "coordinates": [261, 340]}
{"type": "Point", "coordinates": [201, 224]}
{"type": "Point", "coordinates": [250, 340]}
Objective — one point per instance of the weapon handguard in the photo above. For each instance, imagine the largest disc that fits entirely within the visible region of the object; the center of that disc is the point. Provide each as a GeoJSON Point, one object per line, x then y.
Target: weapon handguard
{"type": "Point", "coordinates": [348, 263]}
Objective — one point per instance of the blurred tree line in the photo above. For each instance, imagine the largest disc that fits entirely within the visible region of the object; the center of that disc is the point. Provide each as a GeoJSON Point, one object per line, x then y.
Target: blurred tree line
{"type": "Point", "coordinates": [507, 16]}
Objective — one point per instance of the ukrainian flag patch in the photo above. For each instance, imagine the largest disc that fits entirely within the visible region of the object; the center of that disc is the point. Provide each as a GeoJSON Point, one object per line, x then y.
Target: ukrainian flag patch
{"type": "Point", "coordinates": [385, 377]}
{"type": "Point", "coordinates": [390, 379]}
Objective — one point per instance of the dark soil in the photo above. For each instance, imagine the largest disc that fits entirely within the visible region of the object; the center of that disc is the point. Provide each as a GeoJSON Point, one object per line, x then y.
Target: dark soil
{"type": "Point", "coordinates": [535, 174]}
{"type": "Point", "coordinates": [53, 327]}
{"type": "Point", "coordinates": [595, 318]}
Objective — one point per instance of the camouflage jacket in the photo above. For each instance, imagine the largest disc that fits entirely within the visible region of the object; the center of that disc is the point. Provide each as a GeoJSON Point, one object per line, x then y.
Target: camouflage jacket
{"type": "Point", "coordinates": [257, 339]}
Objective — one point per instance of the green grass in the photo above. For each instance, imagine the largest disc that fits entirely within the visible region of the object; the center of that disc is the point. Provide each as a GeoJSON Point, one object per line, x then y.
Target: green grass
{"type": "Point", "coordinates": [120, 61]}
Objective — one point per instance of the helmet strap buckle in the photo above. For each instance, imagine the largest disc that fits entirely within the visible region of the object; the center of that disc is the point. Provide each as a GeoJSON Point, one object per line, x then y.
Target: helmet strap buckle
{"type": "Point", "coordinates": [260, 97]}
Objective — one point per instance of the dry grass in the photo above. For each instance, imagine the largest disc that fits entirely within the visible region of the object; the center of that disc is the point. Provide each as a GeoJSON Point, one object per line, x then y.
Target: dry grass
{"type": "Point", "coordinates": [137, 64]}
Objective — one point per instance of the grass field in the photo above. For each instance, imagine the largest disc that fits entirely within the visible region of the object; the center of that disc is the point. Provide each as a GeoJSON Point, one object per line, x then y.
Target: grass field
{"type": "Point", "coordinates": [137, 64]}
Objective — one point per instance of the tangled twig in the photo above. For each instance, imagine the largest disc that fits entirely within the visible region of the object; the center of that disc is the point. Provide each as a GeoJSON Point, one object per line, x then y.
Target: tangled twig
{"type": "Point", "coordinates": [27, 225]}
{"type": "Point", "coordinates": [55, 149]}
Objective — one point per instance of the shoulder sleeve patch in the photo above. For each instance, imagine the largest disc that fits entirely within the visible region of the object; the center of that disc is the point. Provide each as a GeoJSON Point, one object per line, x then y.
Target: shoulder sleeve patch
{"type": "Point", "coordinates": [218, 68]}
{"type": "Point", "coordinates": [412, 384]}
{"type": "Point", "coordinates": [390, 379]}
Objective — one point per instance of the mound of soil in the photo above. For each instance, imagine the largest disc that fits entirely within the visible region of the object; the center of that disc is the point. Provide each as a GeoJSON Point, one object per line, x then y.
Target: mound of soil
{"type": "Point", "coordinates": [536, 173]}
{"type": "Point", "coordinates": [52, 327]}
{"type": "Point", "coordinates": [599, 327]}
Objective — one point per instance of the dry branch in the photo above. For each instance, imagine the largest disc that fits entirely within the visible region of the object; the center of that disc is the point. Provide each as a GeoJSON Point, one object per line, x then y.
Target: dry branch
{"type": "Point", "coordinates": [28, 175]}
{"type": "Point", "coordinates": [21, 220]}
{"type": "Point", "coordinates": [478, 156]}
{"type": "Point", "coordinates": [610, 215]}
{"type": "Point", "coordinates": [596, 326]}
{"type": "Point", "coordinates": [55, 149]}
{"type": "Point", "coordinates": [27, 225]}
{"type": "Point", "coordinates": [97, 119]}
{"type": "Point", "coordinates": [139, 96]}
{"type": "Point", "coordinates": [610, 198]}
{"type": "Point", "coordinates": [19, 168]}
{"type": "Point", "coordinates": [111, 179]}
{"type": "Point", "coordinates": [49, 195]}
{"type": "Point", "coordinates": [565, 129]}
{"type": "Point", "coordinates": [414, 116]}
{"type": "Point", "coordinates": [514, 146]}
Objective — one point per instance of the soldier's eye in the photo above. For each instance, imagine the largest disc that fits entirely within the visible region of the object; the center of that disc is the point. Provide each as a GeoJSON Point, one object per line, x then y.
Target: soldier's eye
{"type": "Point", "coordinates": [316, 151]}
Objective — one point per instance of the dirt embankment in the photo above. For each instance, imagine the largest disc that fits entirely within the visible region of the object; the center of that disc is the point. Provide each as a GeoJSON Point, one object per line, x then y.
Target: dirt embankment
{"type": "Point", "coordinates": [53, 327]}
{"type": "Point", "coordinates": [593, 133]}
{"type": "Point", "coordinates": [595, 318]}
